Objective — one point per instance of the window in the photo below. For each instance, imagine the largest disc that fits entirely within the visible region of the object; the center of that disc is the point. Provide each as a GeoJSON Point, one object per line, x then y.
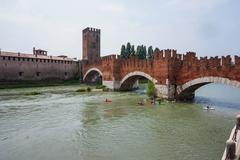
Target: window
{"type": "Point", "coordinates": [20, 74]}
{"type": "Point", "coordinates": [3, 58]}
{"type": "Point", "coordinates": [37, 74]}
{"type": "Point", "coordinates": [9, 58]}
{"type": "Point", "coordinates": [36, 60]}
{"type": "Point", "coordinates": [23, 59]}
{"type": "Point", "coordinates": [28, 59]}
{"type": "Point", "coordinates": [40, 60]}
{"type": "Point", "coordinates": [65, 74]}
{"type": "Point", "coordinates": [19, 59]}
{"type": "Point", "coordinates": [14, 58]}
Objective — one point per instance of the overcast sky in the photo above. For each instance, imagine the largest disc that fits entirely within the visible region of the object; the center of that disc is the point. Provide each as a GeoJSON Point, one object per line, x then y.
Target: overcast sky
{"type": "Point", "coordinates": [208, 27]}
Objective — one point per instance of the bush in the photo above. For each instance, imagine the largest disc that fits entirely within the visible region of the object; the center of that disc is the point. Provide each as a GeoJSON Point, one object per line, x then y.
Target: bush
{"type": "Point", "coordinates": [89, 89]}
{"type": "Point", "coordinates": [106, 89]}
{"type": "Point", "coordinates": [81, 90]}
{"type": "Point", "coordinates": [100, 87]}
{"type": "Point", "coordinates": [151, 90]}
{"type": "Point", "coordinates": [159, 100]}
{"type": "Point", "coordinates": [32, 93]}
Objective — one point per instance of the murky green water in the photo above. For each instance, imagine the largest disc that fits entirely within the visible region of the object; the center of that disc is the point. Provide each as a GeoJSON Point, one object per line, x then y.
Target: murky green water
{"type": "Point", "coordinates": [61, 124]}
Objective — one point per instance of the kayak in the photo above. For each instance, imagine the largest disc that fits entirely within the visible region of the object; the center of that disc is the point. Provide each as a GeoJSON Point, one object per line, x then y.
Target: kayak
{"type": "Point", "coordinates": [205, 108]}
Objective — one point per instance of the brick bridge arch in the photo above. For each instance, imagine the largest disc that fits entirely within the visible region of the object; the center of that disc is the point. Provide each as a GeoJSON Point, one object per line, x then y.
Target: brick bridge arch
{"type": "Point", "coordinates": [90, 73]}
{"type": "Point", "coordinates": [129, 80]}
{"type": "Point", "coordinates": [176, 75]}
{"type": "Point", "coordinates": [187, 90]}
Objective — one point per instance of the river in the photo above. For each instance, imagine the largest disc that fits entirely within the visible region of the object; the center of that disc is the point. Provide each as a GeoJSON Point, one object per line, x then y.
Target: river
{"type": "Point", "coordinates": [61, 124]}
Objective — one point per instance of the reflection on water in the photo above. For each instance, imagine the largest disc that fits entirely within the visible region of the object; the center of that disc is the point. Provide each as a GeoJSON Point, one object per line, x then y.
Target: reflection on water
{"type": "Point", "coordinates": [62, 124]}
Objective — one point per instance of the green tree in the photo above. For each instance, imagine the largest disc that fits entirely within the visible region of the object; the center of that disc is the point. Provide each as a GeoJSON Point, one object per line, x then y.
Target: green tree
{"type": "Point", "coordinates": [128, 49]}
{"type": "Point", "coordinates": [156, 50]}
{"type": "Point", "coordinates": [141, 52]}
{"type": "Point", "coordinates": [150, 52]}
{"type": "Point", "coordinates": [123, 51]}
{"type": "Point", "coordinates": [132, 53]}
{"type": "Point", "coordinates": [144, 52]}
{"type": "Point", "coordinates": [138, 51]}
{"type": "Point", "coordinates": [151, 90]}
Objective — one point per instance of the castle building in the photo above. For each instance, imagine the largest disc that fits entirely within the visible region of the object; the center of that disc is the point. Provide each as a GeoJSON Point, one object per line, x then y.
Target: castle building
{"type": "Point", "coordinates": [36, 66]}
{"type": "Point", "coordinates": [16, 66]}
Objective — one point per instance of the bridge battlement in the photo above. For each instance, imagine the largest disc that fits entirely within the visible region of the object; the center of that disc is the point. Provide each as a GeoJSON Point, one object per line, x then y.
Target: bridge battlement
{"type": "Point", "coordinates": [237, 60]}
{"type": "Point", "coordinates": [108, 58]}
{"type": "Point", "coordinates": [166, 54]}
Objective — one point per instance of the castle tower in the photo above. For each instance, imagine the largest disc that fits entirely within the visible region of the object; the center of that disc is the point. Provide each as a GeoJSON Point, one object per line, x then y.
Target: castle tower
{"type": "Point", "coordinates": [91, 44]}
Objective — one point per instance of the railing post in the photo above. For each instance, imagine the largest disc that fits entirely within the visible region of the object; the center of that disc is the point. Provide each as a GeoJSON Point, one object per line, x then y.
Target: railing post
{"type": "Point", "coordinates": [238, 121]}
{"type": "Point", "coordinates": [230, 150]}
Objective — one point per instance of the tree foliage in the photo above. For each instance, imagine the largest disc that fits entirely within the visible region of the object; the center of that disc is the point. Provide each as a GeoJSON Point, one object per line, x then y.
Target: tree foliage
{"type": "Point", "coordinates": [151, 90]}
{"type": "Point", "coordinates": [127, 51]}
{"type": "Point", "coordinates": [123, 51]}
{"type": "Point", "coordinates": [132, 52]}
{"type": "Point", "coordinates": [141, 52]}
{"type": "Point", "coordinates": [150, 52]}
{"type": "Point", "coordinates": [156, 50]}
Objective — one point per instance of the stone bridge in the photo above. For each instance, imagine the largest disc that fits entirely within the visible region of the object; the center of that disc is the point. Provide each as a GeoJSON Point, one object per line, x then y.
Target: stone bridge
{"type": "Point", "coordinates": [176, 76]}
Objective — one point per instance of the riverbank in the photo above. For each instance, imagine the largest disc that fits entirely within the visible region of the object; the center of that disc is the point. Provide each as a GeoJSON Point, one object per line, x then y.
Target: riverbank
{"type": "Point", "coordinates": [30, 84]}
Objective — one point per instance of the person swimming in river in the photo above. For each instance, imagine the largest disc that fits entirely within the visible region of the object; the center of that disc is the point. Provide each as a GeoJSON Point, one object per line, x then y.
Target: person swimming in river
{"type": "Point", "coordinates": [208, 107]}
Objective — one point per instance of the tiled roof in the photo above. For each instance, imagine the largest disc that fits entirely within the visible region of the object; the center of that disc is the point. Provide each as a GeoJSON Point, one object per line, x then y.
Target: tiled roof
{"type": "Point", "coordinates": [24, 55]}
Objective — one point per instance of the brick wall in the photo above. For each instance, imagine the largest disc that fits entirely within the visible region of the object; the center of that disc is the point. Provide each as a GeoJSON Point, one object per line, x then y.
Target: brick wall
{"type": "Point", "coordinates": [17, 68]}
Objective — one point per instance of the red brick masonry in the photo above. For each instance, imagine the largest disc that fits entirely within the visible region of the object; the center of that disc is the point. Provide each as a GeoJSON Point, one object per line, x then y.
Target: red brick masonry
{"type": "Point", "coordinates": [176, 76]}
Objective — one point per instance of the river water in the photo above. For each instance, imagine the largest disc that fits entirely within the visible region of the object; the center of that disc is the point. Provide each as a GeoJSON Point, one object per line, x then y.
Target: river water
{"type": "Point", "coordinates": [61, 124]}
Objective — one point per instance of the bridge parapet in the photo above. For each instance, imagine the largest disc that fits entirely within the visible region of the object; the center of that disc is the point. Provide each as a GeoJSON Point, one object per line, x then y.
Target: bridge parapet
{"type": "Point", "coordinates": [237, 60]}
{"type": "Point", "coordinates": [166, 54]}
{"type": "Point", "coordinates": [109, 57]}
{"type": "Point", "coordinates": [232, 150]}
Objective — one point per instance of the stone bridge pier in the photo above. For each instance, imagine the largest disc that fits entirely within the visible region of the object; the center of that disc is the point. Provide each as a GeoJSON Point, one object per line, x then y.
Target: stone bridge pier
{"type": "Point", "coordinates": [165, 91]}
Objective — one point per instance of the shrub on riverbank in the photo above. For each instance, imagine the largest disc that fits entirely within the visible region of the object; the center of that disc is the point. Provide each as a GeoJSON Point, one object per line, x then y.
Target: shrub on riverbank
{"type": "Point", "coordinates": [42, 83]}
{"type": "Point", "coordinates": [32, 93]}
{"type": "Point", "coordinates": [81, 90]}
{"type": "Point", "coordinates": [100, 87]}
{"type": "Point", "coordinates": [96, 89]}
{"type": "Point", "coordinates": [89, 89]}
{"type": "Point", "coordinates": [106, 89]}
